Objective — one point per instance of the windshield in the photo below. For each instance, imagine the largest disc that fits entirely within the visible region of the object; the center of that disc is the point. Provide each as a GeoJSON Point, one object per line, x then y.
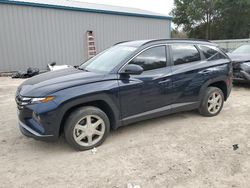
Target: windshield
{"type": "Point", "coordinates": [245, 49]}
{"type": "Point", "coordinates": [108, 59]}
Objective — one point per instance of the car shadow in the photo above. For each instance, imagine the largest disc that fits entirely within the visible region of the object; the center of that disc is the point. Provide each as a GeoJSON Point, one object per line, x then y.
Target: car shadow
{"type": "Point", "coordinates": [60, 146]}
{"type": "Point", "coordinates": [151, 123]}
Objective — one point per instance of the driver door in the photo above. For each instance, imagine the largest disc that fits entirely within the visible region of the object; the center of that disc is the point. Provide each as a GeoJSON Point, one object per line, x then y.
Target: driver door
{"type": "Point", "coordinates": [147, 94]}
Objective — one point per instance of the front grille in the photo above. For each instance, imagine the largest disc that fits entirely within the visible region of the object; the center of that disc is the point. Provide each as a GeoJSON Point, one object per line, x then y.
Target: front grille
{"type": "Point", "coordinates": [22, 101]}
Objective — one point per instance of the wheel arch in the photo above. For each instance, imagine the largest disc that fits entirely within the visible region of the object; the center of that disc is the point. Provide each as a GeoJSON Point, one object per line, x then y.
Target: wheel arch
{"type": "Point", "coordinates": [220, 83]}
{"type": "Point", "coordinates": [107, 106]}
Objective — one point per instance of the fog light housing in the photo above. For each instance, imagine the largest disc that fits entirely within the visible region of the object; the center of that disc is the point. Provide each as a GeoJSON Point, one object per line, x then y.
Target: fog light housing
{"type": "Point", "coordinates": [36, 117]}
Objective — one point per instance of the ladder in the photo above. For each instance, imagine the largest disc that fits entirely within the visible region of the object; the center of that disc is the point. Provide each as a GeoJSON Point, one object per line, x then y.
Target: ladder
{"type": "Point", "coordinates": [91, 44]}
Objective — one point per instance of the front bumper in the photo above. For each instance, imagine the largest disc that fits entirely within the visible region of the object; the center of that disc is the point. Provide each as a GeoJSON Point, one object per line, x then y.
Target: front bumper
{"type": "Point", "coordinates": [27, 131]}
{"type": "Point", "coordinates": [242, 76]}
{"type": "Point", "coordinates": [39, 121]}
{"type": "Point", "coordinates": [241, 72]}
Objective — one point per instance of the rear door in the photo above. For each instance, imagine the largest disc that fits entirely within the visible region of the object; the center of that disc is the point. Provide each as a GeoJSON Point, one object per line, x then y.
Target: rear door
{"type": "Point", "coordinates": [186, 62]}
{"type": "Point", "coordinates": [193, 66]}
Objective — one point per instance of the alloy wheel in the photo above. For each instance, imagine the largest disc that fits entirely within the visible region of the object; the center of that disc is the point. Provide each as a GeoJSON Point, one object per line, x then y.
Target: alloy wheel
{"type": "Point", "coordinates": [214, 102]}
{"type": "Point", "coordinates": [89, 130]}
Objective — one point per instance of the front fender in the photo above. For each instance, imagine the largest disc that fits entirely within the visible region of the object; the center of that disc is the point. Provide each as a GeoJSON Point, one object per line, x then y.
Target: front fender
{"type": "Point", "coordinates": [80, 95]}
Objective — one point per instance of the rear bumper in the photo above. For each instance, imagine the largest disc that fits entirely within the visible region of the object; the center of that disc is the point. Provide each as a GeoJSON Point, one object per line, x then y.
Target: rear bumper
{"type": "Point", "coordinates": [27, 131]}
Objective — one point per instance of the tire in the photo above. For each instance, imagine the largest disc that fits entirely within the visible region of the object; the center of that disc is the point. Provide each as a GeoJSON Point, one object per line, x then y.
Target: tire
{"type": "Point", "coordinates": [84, 125]}
{"type": "Point", "coordinates": [212, 102]}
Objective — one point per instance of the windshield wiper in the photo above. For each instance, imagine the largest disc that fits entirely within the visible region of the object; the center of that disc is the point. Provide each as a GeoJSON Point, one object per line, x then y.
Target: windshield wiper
{"type": "Point", "coordinates": [82, 69]}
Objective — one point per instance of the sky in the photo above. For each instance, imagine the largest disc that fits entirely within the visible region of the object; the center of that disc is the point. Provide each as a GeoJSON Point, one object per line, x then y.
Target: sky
{"type": "Point", "coordinates": [159, 6]}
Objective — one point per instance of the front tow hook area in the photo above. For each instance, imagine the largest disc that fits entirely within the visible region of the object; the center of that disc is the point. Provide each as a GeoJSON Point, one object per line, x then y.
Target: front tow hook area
{"type": "Point", "coordinates": [246, 75]}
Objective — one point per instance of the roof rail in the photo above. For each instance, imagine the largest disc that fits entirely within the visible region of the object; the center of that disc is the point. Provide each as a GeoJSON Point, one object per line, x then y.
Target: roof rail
{"type": "Point", "coordinates": [178, 39]}
{"type": "Point", "coordinates": [121, 42]}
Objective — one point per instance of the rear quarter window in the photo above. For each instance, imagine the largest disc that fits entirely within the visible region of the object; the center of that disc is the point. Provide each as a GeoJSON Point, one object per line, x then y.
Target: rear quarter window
{"type": "Point", "coordinates": [211, 53]}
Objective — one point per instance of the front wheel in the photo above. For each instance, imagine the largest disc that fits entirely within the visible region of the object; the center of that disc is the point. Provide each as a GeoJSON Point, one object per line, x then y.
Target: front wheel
{"type": "Point", "coordinates": [86, 128]}
{"type": "Point", "coordinates": [212, 102]}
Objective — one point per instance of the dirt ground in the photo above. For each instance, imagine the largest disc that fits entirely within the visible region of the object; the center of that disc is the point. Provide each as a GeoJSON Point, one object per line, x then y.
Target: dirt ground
{"type": "Point", "coordinates": [180, 150]}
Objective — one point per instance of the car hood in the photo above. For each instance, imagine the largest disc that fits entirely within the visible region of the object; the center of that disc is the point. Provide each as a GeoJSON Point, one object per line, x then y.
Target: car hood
{"type": "Point", "coordinates": [50, 82]}
{"type": "Point", "coordinates": [239, 57]}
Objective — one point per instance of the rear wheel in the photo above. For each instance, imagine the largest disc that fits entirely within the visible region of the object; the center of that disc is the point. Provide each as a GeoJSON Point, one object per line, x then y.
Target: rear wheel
{"type": "Point", "coordinates": [86, 128]}
{"type": "Point", "coordinates": [212, 102]}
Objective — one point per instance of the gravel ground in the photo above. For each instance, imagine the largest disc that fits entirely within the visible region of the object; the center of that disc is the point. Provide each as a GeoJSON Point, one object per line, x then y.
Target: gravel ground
{"type": "Point", "coordinates": [180, 150]}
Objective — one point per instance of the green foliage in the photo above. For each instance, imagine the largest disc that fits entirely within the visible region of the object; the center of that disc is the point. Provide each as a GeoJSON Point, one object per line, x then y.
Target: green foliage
{"type": "Point", "coordinates": [213, 19]}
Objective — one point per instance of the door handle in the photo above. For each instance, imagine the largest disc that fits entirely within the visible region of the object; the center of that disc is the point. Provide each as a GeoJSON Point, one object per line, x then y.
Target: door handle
{"type": "Point", "coordinates": [205, 72]}
{"type": "Point", "coordinates": [164, 81]}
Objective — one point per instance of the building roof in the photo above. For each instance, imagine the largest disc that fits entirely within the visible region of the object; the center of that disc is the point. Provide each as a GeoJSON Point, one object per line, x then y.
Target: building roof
{"type": "Point", "coordinates": [88, 7]}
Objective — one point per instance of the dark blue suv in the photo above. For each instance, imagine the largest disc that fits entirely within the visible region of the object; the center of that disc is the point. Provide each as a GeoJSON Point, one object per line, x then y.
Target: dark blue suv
{"type": "Point", "coordinates": [129, 82]}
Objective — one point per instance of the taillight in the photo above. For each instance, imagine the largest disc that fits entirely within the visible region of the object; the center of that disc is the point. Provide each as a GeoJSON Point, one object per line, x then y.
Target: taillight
{"type": "Point", "coordinates": [229, 81]}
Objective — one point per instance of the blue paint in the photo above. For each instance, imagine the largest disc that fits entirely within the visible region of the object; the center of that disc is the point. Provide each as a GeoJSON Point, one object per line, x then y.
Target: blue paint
{"type": "Point", "coordinates": [127, 98]}
{"type": "Point", "coordinates": [61, 7]}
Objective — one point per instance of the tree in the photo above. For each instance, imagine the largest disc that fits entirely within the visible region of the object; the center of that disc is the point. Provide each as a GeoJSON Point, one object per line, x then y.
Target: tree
{"type": "Point", "coordinates": [194, 13]}
{"type": "Point", "coordinates": [213, 19]}
{"type": "Point", "coordinates": [235, 18]}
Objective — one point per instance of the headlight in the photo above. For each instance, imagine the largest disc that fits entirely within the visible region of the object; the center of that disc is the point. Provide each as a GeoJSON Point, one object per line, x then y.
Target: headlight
{"type": "Point", "coordinates": [42, 99]}
{"type": "Point", "coordinates": [31, 100]}
{"type": "Point", "coordinates": [247, 64]}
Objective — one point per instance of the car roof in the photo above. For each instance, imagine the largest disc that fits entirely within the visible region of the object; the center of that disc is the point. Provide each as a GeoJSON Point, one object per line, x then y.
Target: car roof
{"type": "Point", "coordinates": [139, 43]}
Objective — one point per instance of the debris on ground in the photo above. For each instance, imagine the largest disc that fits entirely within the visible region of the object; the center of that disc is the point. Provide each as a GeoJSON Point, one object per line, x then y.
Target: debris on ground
{"type": "Point", "coordinates": [53, 67]}
{"type": "Point", "coordinates": [35, 71]}
{"type": "Point", "coordinates": [235, 147]}
{"type": "Point", "coordinates": [26, 74]}
{"type": "Point", "coordinates": [130, 185]}
{"type": "Point", "coordinates": [94, 150]}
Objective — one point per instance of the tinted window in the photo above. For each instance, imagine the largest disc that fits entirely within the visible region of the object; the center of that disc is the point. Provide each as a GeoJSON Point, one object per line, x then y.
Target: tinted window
{"type": "Point", "coordinates": [153, 58]}
{"type": "Point", "coordinates": [211, 53]}
{"type": "Point", "coordinates": [184, 53]}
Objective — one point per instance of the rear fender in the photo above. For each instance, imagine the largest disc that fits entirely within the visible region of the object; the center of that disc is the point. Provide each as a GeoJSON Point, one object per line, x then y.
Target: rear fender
{"type": "Point", "coordinates": [209, 82]}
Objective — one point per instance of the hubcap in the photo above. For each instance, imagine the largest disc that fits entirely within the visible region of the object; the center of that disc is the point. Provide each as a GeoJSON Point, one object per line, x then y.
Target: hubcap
{"type": "Point", "coordinates": [214, 102]}
{"type": "Point", "coordinates": [89, 130]}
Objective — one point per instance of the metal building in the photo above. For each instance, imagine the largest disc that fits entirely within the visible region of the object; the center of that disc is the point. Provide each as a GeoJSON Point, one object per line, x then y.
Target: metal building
{"type": "Point", "coordinates": [34, 33]}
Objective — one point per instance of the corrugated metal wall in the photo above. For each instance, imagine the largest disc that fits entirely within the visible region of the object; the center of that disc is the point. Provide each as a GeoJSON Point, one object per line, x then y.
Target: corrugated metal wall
{"type": "Point", "coordinates": [34, 37]}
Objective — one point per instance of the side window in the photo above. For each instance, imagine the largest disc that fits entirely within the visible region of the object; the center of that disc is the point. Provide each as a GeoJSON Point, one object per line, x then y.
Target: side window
{"type": "Point", "coordinates": [153, 58]}
{"type": "Point", "coordinates": [184, 53]}
{"type": "Point", "coordinates": [211, 53]}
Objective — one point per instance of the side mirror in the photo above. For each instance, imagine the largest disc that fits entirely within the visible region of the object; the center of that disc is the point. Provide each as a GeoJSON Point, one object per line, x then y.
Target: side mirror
{"type": "Point", "coordinates": [132, 69]}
